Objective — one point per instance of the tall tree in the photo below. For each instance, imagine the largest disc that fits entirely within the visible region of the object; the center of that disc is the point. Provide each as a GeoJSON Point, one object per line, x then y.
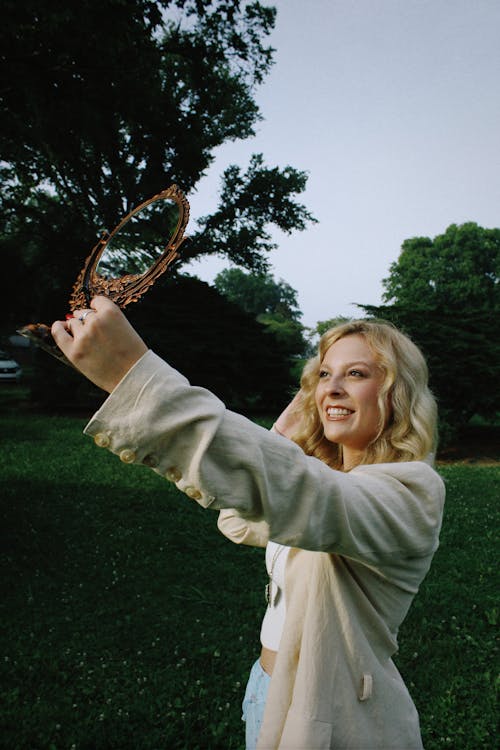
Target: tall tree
{"type": "Point", "coordinates": [445, 293]}
{"type": "Point", "coordinates": [105, 102]}
{"type": "Point", "coordinates": [105, 99]}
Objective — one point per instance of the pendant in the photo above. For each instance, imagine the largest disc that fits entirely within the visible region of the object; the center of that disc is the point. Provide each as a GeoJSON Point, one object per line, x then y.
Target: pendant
{"type": "Point", "coordinates": [272, 598]}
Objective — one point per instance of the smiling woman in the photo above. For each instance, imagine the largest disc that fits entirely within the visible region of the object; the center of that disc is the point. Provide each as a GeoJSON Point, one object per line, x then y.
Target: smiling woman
{"type": "Point", "coordinates": [349, 537]}
{"type": "Point", "coordinates": [347, 397]}
{"type": "Point", "coordinates": [376, 365]}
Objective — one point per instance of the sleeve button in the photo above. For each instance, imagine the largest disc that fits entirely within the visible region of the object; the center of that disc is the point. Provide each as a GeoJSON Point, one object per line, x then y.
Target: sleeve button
{"type": "Point", "coordinates": [127, 456]}
{"type": "Point", "coordinates": [102, 440]}
{"type": "Point", "coordinates": [193, 493]}
{"type": "Point", "coordinates": [173, 474]}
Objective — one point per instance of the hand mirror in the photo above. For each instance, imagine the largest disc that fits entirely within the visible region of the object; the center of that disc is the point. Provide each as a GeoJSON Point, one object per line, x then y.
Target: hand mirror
{"type": "Point", "coordinates": [125, 263]}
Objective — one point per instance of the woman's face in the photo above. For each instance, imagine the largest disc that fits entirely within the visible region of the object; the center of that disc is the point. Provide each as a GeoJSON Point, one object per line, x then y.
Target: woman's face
{"type": "Point", "coordinates": [347, 396]}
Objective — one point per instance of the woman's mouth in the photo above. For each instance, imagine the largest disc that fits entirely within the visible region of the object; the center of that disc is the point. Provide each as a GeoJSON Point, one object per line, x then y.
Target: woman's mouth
{"type": "Point", "coordinates": [338, 412]}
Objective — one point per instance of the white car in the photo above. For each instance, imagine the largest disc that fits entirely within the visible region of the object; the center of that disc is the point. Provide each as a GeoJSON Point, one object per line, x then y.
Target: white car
{"type": "Point", "coordinates": [10, 370]}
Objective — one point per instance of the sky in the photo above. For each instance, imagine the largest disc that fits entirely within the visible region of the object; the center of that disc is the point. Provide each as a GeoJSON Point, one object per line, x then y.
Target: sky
{"type": "Point", "coordinates": [392, 107]}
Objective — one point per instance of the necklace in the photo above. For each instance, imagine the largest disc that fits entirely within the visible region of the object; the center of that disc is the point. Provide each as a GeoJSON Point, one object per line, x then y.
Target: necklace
{"type": "Point", "coordinates": [272, 598]}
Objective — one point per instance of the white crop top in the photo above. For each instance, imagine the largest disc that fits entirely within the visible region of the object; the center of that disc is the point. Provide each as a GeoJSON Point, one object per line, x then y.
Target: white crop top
{"type": "Point", "coordinates": [274, 619]}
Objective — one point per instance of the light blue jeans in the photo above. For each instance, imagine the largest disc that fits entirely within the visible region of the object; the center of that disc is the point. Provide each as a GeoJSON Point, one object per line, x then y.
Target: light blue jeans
{"type": "Point", "coordinates": [254, 703]}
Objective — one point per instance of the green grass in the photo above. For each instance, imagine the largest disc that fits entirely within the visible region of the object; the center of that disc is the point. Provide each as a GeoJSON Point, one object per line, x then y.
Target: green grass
{"type": "Point", "coordinates": [128, 621]}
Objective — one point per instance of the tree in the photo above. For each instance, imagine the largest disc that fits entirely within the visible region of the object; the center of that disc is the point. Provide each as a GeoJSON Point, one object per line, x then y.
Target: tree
{"type": "Point", "coordinates": [444, 292]}
{"type": "Point", "coordinates": [321, 327]}
{"type": "Point", "coordinates": [104, 100]}
{"type": "Point", "coordinates": [247, 369]}
{"type": "Point", "coordinates": [258, 294]}
{"type": "Point", "coordinates": [460, 266]}
{"type": "Point", "coordinates": [104, 103]}
{"type": "Point", "coordinates": [272, 303]}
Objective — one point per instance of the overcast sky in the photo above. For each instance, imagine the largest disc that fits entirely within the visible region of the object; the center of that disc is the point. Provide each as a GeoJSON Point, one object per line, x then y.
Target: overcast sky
{"type": "Point", "coordinates": [393, 108]}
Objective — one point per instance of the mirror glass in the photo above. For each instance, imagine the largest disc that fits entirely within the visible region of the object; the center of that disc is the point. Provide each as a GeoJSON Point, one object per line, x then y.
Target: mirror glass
{"type": "Point", "coordinates": [140, 241]}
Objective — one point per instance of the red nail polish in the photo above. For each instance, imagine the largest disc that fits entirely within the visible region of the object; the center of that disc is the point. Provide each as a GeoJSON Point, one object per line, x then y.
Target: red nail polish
{"type": "Point", "coordinates": [68, 316]}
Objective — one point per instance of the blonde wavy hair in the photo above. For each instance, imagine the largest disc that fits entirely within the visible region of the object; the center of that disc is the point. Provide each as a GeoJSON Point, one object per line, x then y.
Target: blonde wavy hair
{"type": "Point", "coordinates": [408, 423]}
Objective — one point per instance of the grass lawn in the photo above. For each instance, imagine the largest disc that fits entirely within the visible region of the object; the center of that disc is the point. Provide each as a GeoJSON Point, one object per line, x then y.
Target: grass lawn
{"type": "Point", "coordinates": [128, 621]}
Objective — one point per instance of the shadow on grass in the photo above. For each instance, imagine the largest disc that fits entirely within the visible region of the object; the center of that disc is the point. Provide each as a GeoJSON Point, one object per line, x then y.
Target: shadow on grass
{"type": "Point", "coordinates": [115, 631]}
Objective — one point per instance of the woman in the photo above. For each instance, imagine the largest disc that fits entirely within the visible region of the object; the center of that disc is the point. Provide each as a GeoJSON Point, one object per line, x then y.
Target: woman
{"type": "Point", "coordinates": [350, 503]}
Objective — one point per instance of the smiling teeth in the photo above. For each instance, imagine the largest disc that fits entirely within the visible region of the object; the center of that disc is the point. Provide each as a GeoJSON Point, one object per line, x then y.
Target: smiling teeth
{"type": "Point", "coordinates": [335, 411]}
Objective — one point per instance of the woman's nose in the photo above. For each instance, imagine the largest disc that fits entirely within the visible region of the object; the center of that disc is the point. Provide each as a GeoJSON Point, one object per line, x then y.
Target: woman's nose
{"type": "Point", "coordinates": [333, 384]}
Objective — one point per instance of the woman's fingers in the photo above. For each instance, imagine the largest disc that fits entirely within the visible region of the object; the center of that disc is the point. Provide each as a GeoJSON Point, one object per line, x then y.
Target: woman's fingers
{"type": "Point", "coordinates": [100, 342]}
{"type": "Point", "coordinates": [81, 315]}
{"type": "Point", "coordinates": [97, 304]}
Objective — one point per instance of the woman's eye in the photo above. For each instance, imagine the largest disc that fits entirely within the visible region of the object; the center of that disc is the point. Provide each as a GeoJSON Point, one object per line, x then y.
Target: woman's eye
{"type": "Point", "coordinates": [356, 373]}
{"type": "Point", "coordinates": [323, 373]}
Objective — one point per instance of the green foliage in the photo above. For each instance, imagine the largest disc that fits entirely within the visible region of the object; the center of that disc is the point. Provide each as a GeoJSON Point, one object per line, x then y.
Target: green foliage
{"type": "Point", "coordinates": [249, 202]}
{"type": "Point", "coordinates": [105, 100]}
{"type": "Point", "coordinates": [104, 103]}
{"type": "Point", "coordinates": [129, 622]}
{"type": "Point", "coordinates": [273, 303]}
{"type": "Point", "coordinates": [287, 332]}
{"type": "Point", "coordinates": [40, 259]}
{"type": "Point", "coordinates": [216, 344]}
{"type": "Point", "coordinates": [463, 356]}
{"type": "Point", "coordinates": [445, 295]}
{"type": "Point", "coordinates": [457, 270]}
{"type": "Point", "coordinates": [321, 327]}
{"type": "Point", "coordinates": [258, 294]}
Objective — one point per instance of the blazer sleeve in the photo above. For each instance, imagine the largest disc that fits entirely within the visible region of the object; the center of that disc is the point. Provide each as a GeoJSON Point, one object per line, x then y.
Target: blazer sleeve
{"type": "Point", "coordinates": [375, 513]}
{"type": "Point", "coordinates": [241, 531]}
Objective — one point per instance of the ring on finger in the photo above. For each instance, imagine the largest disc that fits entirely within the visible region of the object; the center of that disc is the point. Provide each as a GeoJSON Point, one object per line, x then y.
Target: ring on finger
{"type": "Point", "coordinates": [82, 317]}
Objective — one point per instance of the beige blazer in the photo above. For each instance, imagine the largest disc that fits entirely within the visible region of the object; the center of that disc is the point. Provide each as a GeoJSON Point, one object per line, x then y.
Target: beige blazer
{"type": "Point", "coordinates": [363, 543]}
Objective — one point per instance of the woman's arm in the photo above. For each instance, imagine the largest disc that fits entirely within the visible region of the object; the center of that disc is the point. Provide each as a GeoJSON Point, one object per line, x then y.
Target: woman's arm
{"type": "Point", "coordinates": [381, 512]}
{"type": "Point", "coordinates": [375, 513]}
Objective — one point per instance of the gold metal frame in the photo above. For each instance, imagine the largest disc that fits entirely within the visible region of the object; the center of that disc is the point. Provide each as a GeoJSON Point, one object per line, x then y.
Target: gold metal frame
{"type": "Point", "coordinates": [124, 289]}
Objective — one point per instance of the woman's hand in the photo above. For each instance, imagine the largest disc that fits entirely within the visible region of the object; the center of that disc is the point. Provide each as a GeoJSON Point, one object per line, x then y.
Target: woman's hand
{"type": "Point", "coordinates": [100, 342]}
{"type": "Point", "coordinates": [289, 420]}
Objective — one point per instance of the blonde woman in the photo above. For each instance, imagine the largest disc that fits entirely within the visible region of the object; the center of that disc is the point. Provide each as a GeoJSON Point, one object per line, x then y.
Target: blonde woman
{"type": "Point", "coordinates": [345, 500]}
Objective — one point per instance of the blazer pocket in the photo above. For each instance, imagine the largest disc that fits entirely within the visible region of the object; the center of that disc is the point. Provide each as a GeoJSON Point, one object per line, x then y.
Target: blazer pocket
{"type": "Point", "coordinates": [304, 732]}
